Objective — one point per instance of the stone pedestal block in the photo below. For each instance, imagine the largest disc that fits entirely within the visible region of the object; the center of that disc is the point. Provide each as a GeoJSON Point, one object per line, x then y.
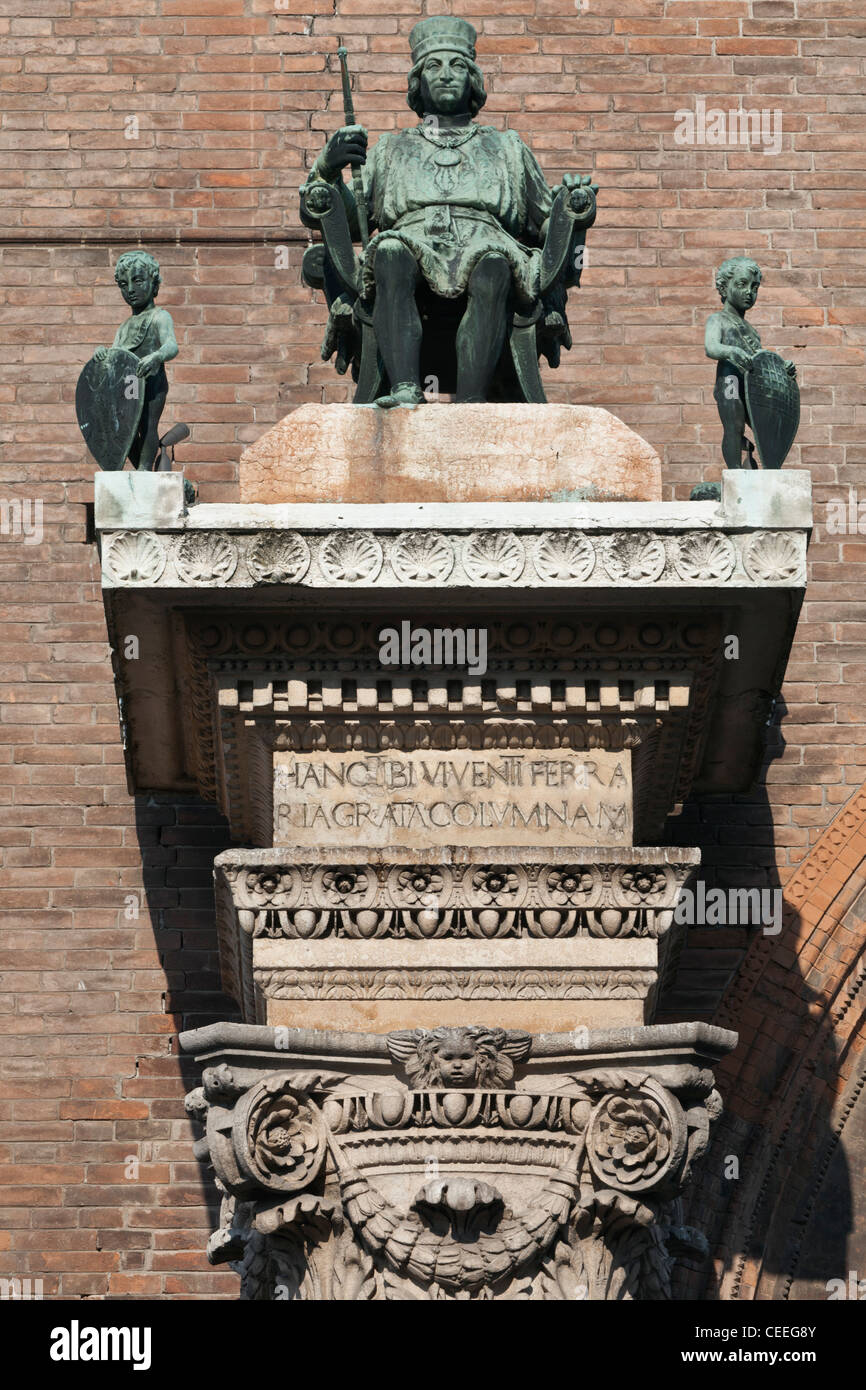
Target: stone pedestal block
{"type": "Point", "coordinates": [381, 940]}
{"type": "Point", "coordinates": [450, 453]}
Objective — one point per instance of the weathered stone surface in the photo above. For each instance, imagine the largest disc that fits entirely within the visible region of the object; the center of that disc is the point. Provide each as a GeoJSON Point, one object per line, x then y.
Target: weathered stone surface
{"type": "Point", "coordinates": [427, 797]}
{"type": "Point", "coordinates": [766, 498]}
{"type": "Point", "coordinates": [450, 453]}
{"type": "Point", "coordinates": [384, 984]}
{"type": "Point", "coordinates": [131, 499]}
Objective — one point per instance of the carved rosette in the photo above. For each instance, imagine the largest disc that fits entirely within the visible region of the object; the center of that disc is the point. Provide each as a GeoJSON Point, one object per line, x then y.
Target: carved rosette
{"type": "Point", "coordinates": [773, 557]}
{"type": "Point", "coordinates": [494, 557]}
{"type": "Point", "coordinates": [278, 1135]}
{"type": "Point", "coordinates": [635, 558]}
{"type": "Point", "coordinates": [564, 557]}
{"type": "Point", "coordinates": [476, 1180]}
{"type": "Point", "coordinates": [351, 557]}
{"type": "Point", "coordinates": [705, 557]}
{"type": "Point", "coordinates": [636, 1139]}
{"type": "Point", "coordinates": [422, 557]}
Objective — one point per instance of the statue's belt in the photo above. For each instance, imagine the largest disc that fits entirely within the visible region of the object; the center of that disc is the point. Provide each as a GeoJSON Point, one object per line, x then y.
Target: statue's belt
{"type": "Point", "coordinates": [435, 211]}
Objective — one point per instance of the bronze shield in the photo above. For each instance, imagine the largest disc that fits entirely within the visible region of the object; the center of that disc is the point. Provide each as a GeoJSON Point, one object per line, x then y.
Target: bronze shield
{"type": "Point", "coordinates": [773, 403]}
{"type": "Point", "coordinates": [109, 399]}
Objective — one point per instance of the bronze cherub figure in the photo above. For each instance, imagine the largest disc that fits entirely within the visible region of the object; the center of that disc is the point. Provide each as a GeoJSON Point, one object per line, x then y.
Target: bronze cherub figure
{"type": "Point", "coordinates": [122, 391]}
{"type": "Point", "coordinates": [753, 387]}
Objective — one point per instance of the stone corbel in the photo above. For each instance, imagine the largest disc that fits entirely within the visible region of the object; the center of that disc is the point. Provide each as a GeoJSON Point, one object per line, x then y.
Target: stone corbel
{"type": "Point", "coordinates": [475, 1177]}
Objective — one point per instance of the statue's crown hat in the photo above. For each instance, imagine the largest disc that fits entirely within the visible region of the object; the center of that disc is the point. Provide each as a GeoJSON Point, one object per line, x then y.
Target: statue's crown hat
{"type": "Point", "coordinates": [440, 34]}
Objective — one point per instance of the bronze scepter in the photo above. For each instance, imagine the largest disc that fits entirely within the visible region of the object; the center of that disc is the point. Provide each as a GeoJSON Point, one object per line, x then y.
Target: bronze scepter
{"type": "Point", "coordinates": [357, 177]}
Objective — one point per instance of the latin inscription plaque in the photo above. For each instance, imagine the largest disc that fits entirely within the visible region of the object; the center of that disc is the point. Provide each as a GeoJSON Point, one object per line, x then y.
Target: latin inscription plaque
{"type": "Point", "coordinates": [470, 797]}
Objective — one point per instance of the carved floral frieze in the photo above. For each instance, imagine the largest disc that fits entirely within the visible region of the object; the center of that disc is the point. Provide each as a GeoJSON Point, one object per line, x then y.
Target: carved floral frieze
{"type": "Point", "coordinates": [483, 559]}
{"type": "Point", "coordinates": [366, 901]}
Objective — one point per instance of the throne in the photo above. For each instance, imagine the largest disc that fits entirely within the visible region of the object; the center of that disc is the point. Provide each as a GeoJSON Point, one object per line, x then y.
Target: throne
{"type": "Point", "coordinates": [332, 266]}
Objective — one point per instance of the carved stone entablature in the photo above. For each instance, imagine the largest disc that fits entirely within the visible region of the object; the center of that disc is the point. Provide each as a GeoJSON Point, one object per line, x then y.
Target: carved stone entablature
{"type": "Point", "coordinates": [262, 626]}
{"type": "Point", "coordinates": [451, 559]}
{"type": "Point", "coordinates": [502, 1167]}
{"type": "Point", "coordinates": [549, 685]}
{"type": "Point", "coordinates": [294, 925]}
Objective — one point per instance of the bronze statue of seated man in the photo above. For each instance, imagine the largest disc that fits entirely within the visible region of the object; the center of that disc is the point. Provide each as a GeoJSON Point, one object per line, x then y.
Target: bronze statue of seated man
{"type": "Point", "coordinates": [463, 214]}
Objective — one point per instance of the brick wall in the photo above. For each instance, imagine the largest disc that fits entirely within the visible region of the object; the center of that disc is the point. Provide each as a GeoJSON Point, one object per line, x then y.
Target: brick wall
{"type": "Point", "coordinates": [222, 92]}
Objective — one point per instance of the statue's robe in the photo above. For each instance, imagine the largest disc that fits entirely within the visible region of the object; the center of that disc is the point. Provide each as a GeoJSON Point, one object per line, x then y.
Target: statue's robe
{"type": "Point", "coordinates": [492, 197]}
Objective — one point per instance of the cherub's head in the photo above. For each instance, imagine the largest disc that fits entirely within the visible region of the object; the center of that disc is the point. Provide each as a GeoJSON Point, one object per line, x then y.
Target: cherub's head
{"type": "Point", "coordinates": [737, 281]}
{"type": "Point", "coordinates": [462, 1058]}
{"type": "Point", "coordinates": [137, 274]}
{"type": "Point", "coordinates": [453, 1056]}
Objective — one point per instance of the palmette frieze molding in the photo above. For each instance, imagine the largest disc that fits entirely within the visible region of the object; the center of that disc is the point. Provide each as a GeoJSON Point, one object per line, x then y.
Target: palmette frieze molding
{"type": "Point", "coordinates": [564, 1189]}
{"type": "Point", "coordinates": [390, 982]}
{"type": "Point", "coordinates": [453, 559]}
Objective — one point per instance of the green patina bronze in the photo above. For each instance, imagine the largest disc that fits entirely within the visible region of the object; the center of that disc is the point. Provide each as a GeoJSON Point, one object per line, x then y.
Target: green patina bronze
{"type": "Point", "coordinates": [753, 387]}
{"type": "Point", "coordinates": [465, 277]}
{"type": "Point", "coordinates": [122, 390]}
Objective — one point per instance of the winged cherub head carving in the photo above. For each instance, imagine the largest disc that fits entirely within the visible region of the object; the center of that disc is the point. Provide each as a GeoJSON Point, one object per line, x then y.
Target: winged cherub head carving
{"type": "Point", "coordinates": [462, 1058]}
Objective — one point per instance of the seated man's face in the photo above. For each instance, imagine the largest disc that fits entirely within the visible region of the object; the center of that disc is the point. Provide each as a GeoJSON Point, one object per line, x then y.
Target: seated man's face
{"type": "Point", "coordinates": [456, 1060]}
{"type": "Point", "coordinates": [445, 84]}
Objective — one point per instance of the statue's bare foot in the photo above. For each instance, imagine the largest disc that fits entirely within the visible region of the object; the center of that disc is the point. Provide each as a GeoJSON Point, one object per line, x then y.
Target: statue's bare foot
{"type": "Point", "coordinates": [406, 393]}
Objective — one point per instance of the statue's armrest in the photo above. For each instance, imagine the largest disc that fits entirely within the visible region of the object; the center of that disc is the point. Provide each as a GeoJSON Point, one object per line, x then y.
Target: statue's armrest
{"type": "Point", "coordinates": [572, 214]}
{"type": "Point", "coordinates": [322, 207]}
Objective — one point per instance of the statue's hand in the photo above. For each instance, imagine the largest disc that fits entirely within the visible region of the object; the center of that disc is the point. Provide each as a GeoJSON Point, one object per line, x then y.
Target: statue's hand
{"type": "Point", "coordinates": [100, 354]}
{"type": "Point", "coordinates": [790, 367]}
{"type": "Point", "coordinates": [739, 358]}
{"type": "Point", "coordinates": [149, 364]}
{"type": "Point", "coordinates": [581, 191]}
{"type": "Point", "coordinates": [347, 146]}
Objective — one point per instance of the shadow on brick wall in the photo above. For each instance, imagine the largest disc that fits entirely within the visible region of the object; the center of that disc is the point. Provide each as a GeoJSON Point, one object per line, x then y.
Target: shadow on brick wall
{"type": "Point", "coordinates": [179, 838]}
{"type": "Point", "coordinates": [762, 1180]}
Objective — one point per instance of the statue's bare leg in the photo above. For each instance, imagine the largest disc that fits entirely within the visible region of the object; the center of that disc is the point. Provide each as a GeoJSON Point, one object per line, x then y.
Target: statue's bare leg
{"type": "Point", "coordinates": [397, 323]}
{"type": "Point", "coordinates": [145, 446]}
{"type": "Point", "coordinates": [733, 416]}
{"type": "Point", "coordinates": [482, 328]}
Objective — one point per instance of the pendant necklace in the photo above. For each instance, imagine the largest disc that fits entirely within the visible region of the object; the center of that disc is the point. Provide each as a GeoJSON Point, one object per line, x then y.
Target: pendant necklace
{"type": "Point", "coordinates": [447, 144]}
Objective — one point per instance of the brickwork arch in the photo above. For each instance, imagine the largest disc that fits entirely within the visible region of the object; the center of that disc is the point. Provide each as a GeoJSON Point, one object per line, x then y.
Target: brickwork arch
{"type": "Point", "coordinates": [791, 1088]}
